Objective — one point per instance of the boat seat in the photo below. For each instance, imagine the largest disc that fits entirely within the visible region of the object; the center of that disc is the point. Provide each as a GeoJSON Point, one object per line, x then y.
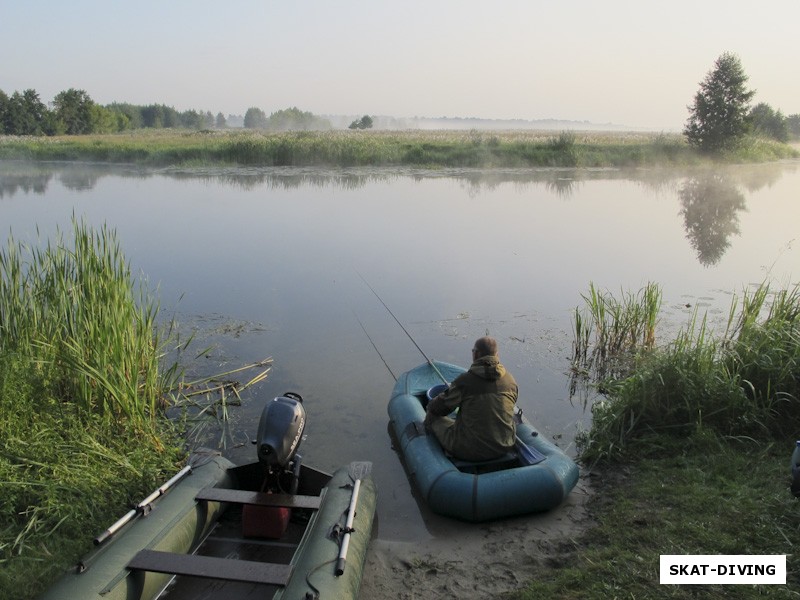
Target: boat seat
{"type": "Point", "coordinates": [506, 461]}
{"type": "Point", "coordinates": [209, 567]}
{"type": "Point", "coordinates": [216, 494]}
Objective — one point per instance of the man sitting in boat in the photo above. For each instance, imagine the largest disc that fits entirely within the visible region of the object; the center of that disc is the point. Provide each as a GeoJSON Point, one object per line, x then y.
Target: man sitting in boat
{"type": "Point", "coordinates": [485, 396]}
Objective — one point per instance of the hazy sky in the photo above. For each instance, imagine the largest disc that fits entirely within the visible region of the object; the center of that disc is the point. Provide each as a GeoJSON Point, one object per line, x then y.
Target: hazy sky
{"type": "Point", "coordinates": [635, 63]}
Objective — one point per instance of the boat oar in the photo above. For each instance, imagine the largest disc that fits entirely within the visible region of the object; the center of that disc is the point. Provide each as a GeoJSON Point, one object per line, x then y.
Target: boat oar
{"type": "Point", "coordinates": [527, 455]}
{"type": "Point", "coordinates": [357, 472]}
{"type": "Point", "coordinates": [140, 508]}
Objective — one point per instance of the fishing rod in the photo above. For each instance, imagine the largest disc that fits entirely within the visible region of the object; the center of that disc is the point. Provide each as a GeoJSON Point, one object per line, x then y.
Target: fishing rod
{"type": "Point", "coordinates": [526, 453]}
{"type": "Point", "coordinates": [413, 341]}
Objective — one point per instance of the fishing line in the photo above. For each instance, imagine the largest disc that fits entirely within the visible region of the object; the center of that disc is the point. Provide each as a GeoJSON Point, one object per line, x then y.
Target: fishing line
{"type": "Point", "coordinates": [374, 346]}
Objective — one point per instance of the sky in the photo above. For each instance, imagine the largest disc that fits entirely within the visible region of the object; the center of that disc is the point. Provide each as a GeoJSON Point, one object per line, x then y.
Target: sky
{"type": "Point", "coordinates": [634, 63]}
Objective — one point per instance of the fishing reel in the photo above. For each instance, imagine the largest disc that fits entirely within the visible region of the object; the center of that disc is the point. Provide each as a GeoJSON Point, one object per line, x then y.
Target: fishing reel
{"type": "Point", "coordinates": [280, 432]}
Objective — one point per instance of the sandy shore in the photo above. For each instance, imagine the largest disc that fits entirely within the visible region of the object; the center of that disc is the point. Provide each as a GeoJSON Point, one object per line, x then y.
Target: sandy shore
{"type": "Point", "coordinates": [478, 561]}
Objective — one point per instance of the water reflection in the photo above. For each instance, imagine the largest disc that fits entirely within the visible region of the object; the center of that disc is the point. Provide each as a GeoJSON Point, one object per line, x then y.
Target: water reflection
{"type": "Point", "coordinates": [278, 250]}
{"type": "Point", "coordinates": [18, 177]}
{"type": "Point", "coordinates": [710, 206]}
{"type": "Point", "coordinates": [24, 183]}
{"type": "Point", "coordinates": [710, 202]}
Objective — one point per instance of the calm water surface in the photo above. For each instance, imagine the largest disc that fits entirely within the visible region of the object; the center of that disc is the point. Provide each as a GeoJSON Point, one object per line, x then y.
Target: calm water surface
{"type": "Point", "coordinates": [269, 263]}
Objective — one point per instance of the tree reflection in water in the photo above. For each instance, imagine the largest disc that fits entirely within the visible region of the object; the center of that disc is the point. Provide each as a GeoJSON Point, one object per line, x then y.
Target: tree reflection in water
{"type": "Point", "coordinates": [710, 206]}
{"type": "Point", "coordinates": [710, 202]}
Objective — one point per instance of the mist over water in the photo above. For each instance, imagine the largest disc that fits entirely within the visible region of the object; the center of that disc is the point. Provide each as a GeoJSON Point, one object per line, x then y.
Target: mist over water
{"type": "Point", "coordinates": [268, 262]}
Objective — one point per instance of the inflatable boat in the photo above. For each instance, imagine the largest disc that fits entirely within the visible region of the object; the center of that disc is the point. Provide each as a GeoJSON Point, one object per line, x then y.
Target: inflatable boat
{"type": "Point", "coordinates": [536, 477]}
{"type": "Point", "coordinates": [274, 528]}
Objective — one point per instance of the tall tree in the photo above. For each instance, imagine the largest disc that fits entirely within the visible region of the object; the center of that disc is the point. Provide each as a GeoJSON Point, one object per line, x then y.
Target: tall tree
{"type": "Point", "coordinates": [3, 111]}
{"type": "Point", "coordinates": [105, 120]}
{"type": "Point", "coordinates": [255, 118]}
{"type": "Point", "coordinates": [364, 122]}
{"type": "Point", "coordinates": [191, 119]}
{"type": "Point", "coordinates": [26, 114]}
{"type": "Point", "coordinates": [793, 125]}
{"type": "Point", "coordinates": [293, 118]}
{"type": "Point", "coordinates": [73, 112]}
{"type": "Point", "coordinates": [127, 116]}
{"type": "Point", "coordinates": [152, 116]}
{"type": "Point", "coordinates": [718, 116]}
{"type": "Point", "coordinates": [769, 122]}
{"type": "Point", "coordinates": [160, 115]}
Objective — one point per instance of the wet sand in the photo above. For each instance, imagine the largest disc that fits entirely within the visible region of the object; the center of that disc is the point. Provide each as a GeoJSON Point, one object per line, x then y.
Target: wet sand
{"type": "Point", "coordinates": [477, 561]}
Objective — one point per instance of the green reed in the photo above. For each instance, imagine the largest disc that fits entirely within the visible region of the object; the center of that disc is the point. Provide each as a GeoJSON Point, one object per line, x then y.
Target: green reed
{"type": "Point", "coordinates": [85, 388]}
{"type": "Point", "coordinates": [762, 349]}
{"type": "Point", "coordinates": [78, 308]}
{"type": "Point", "coordinates": [609, 331]}
{"type": "Point", "coordinates": [744, 384]}
{"type": "Point", "coordinates": [80, 401]}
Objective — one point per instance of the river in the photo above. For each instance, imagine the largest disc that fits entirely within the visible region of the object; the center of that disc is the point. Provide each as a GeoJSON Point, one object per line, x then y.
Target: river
{"type": "Point", "coordinates": [273, 263]}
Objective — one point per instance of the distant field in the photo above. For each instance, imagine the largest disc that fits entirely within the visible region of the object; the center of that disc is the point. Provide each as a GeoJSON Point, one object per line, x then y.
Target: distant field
{"type": "Point", "coordinates": [486, 149]}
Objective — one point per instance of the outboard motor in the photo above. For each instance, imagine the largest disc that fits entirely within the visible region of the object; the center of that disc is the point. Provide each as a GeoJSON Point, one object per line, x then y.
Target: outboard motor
{"type": "Point", "coordinates": [280, 432]}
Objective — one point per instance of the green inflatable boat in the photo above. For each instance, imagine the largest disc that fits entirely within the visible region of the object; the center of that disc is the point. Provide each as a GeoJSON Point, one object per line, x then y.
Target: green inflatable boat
{"type": "Point", "coordinates": [536, 477]}
{"type": "Point", "coordinates": [269, 529]}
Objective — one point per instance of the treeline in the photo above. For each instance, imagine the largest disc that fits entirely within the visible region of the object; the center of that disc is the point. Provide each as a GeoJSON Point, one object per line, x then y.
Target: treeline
{"type": "Point", "coordinates": [73, 112]}
{"type": "Point", "coordinates": [289, 119]}
{"type": "Point", "coordinates": [770, 123]}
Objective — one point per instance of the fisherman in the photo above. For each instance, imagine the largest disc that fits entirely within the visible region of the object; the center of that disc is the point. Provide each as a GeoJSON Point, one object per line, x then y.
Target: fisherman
{"type": "Point", "coordinates": [485, 397]}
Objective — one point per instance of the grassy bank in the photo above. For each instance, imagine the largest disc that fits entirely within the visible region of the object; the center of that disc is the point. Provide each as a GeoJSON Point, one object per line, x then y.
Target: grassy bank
{"type": "Point", "coordinates": [80, 393]}
{"type": "Point", "coordinates": [700, 495]}
{"type": "Point", "coordinates": [689, 446]}
{"type": "Point", "coordinates": [743, 383]}
{"type": "Point", "coordinates": [510, 149]}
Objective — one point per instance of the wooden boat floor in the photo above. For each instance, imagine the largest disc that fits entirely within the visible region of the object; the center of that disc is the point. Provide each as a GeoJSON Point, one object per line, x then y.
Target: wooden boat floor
{"type": "Point", "coordinates": [226, 541]}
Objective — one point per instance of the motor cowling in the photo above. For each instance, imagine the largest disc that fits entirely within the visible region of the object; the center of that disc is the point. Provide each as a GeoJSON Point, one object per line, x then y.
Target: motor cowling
{"type": "Point", "coordinates": [280, 430]}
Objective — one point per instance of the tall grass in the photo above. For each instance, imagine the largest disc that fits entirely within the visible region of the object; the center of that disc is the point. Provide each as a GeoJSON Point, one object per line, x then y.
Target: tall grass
{"type": "Point", "coordinates": [609, 331]}
{"type": "Point", "coordinates": [565, 148]}
{"type": "Point", "coordinates": [64, 476]}
{"type": "Point", "coordinates": [745, 384]}
{"type": "Point", "coordinates": [511, 149]}
{"type": "Point", "coordinates": [762, 350]}
{"type": "Point", "coordinates": [703, 425]}
{"type": "Point", "coordinates": [80, 413]}
{"type": "Point", "coordinates": [77, 307]}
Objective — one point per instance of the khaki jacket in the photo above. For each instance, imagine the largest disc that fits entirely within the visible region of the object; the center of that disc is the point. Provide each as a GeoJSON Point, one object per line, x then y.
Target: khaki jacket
{"type": "Point", "coordinates": [484, 426]}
